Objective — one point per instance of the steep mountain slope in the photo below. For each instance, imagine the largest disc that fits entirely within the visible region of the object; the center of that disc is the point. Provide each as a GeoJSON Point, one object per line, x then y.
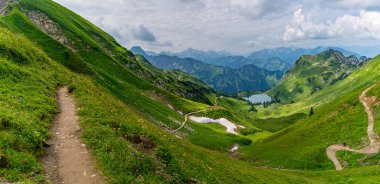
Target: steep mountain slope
{"type": "Point", "coordinates": [290, 55]}
{"type": "Point", "coordinates": [178, 82]}
{"type": "Point", "coordinates": [248, 77]}
{"type": "Point", "coordinates": [312, 73]}
{"type": "Point", "coordinates": [224, 79]}
{"type": "Point", "coordinates": [96, 40]}
{"type": "Point", "coordinates": [235, 62]}
{"type": "Point", "coordinates": [272, 64]}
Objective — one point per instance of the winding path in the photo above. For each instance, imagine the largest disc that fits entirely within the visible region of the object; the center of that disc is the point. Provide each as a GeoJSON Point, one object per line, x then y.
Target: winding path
{"type": "Point", "coordinates": [374, 146]}
{"type": "Point", "coordinates": [67, 160]}
{"type": "Point", "coordinates": [186, 119]}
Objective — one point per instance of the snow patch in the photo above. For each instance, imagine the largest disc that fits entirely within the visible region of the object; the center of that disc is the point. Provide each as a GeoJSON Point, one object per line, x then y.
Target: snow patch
{"type": "Point", "coordinates": [224, 122]}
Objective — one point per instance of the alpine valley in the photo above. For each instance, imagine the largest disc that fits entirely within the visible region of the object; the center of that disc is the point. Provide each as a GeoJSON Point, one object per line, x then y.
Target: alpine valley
{"type": "Point", "coordinates": [78, 107]}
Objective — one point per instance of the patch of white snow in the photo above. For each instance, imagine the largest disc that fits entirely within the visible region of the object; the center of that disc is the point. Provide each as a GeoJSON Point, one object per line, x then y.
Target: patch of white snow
{"type": "Point", "coordinates": [222, 121]}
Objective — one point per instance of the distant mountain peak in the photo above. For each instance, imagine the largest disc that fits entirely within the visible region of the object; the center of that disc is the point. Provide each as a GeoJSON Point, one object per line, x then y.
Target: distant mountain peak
{"type": "Point", "coordinates": [331, 51]}
{"type": "Point", "coordinates": [138, 50]}
{"type": "Point", "coordinates": [352, 59]}
{"type": "Point", "coordinates": [291, 54]}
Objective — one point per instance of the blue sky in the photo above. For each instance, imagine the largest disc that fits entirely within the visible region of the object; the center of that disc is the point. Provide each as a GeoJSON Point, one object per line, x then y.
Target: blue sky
{"type": "Point", "coordinates": [239, 26]}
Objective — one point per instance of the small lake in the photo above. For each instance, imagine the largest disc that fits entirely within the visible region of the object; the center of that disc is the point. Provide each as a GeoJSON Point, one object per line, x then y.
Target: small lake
{"type": "Point", "coordinates": [259, 98]}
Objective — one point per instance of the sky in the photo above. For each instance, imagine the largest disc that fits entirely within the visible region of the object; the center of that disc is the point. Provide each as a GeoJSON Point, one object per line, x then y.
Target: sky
{"type": "Point", "coordinates": [237, 26]}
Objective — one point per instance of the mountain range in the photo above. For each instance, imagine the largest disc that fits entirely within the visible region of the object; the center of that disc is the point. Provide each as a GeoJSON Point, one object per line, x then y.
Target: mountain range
{"type": "Point", "coordinates": [235, 62]}
{"type": "Point", "coordinates": [291, 54]}
{"type": "Point", "coordinates": [246, 78]}
{"type": "Point", "coordinates": [276, 59]}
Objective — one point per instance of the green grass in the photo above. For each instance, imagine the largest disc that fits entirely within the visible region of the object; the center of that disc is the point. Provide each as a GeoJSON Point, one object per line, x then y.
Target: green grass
{"type": "Point", "coordinates": [27, 91]}
{"type": "Point", "coordinates": [277, 124]}
{"type": "Point", "coordinates": [303, 145]}
{"type": "Point", "coordinates": [358, 80]}
{"type": "Point", "coordinates": [351, 160]}
{"type": "Point", "coordinates": [214, 137]}
{"type": "Point", "coordinates": [114, 114]}
{"type": "Point", "coordinates": [311, 74]}
{"type": "Point", "coordinates": [125, 144]}
{"type": "Point", "coordinates": [240, 112]}
{"type": "Point", "coordinates": [125, 118]}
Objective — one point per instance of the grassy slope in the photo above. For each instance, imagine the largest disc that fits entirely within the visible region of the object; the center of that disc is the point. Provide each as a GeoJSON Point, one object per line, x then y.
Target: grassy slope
{"type": "Point", "coordinates": [327, 94]}
{"type": "Point", "coordinates": [359, 79]}
{"type": "Point", "coordinates": [109, 71]}
{"type": "Point", "coordinates": [108, 119]}
{"type": "Point", "coordinates": [26, 110]}
{"type": "Point", "coordinates": [178, 82]}
{"type": "Point", "coordinates": [109, 125]}
{"type": "Point", "coordinates": [310, 74]}
{"type": "Point", "coordinates": [344, 120]}
{"type": "Point", "coordinates": [119, 134]}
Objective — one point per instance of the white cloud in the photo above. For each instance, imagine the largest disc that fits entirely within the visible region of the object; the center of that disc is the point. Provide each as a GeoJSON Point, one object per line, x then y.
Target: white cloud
{"type": "Point", "coordinates": [233, 25]}
{"type": "Point", "coordinates": [364, 26]}
{"type": "Point", "coordinates": [259, 8]}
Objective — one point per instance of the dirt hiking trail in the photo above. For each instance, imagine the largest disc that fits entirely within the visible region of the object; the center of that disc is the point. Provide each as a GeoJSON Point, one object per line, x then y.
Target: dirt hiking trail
{"type": "Point", "coordinates": [374, 146]}
{"type": "Point", "coordinates": [67, 159]}
{"type": "Point", "coordinates": [186, 118]}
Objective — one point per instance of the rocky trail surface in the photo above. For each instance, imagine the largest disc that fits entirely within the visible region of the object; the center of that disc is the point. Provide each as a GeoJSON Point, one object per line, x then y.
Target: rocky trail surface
{"type": "Point", "coordinates": [374, 145]}
{"type": "Point", "coordinates": [67, 159]}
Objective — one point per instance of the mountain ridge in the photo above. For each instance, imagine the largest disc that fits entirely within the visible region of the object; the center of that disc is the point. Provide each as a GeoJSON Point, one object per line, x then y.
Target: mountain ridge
{"type": "Point", "coordinates": [312, 73]}
{"type": "Point", "coordinates": [291, 54]}
{"type": "Point", "coordinates": [224, 79]}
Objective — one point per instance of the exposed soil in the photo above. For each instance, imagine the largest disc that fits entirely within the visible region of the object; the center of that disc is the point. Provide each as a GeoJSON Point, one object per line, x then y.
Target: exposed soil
{"type": "Point", "coordinates": [67, 159]}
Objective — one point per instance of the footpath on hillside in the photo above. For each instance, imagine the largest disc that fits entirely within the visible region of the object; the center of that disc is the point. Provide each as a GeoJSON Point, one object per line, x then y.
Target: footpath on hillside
{"type": "Point", "coordinates": [67, 159]}
{"type": "Point", "coordinates": [374, 145]}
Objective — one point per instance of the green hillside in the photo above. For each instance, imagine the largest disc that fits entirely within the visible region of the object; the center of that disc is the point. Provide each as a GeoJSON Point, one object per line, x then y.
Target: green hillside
{"type": "Point", "coordinates": [126, 117]}
{"type": "Point", "coordinates": [340, 119]}
{"type": "Point", "coordinates": [311, 73]}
